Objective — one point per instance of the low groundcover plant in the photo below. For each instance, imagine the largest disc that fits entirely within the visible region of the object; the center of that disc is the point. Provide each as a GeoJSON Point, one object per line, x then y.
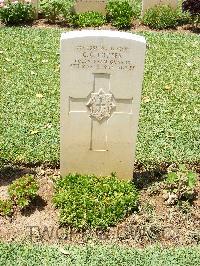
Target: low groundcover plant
{"type": "Point", "coordinates": [6, 207]}
{"type": "Point", "coordinates": [88, 19]}
{"type": "Point", "coordinates": [55, 10]}
{"type": "Point", "coordinates": [119, 13]}
{"type": "Point", "coordinates": [161, 17]}
{"type": "Point", "coordinates": [180, 185]}
{"type": "Point", "coordinates": [23, 190]}
{"type": "Point", "coordinates": [14, 13]}
{"type": "Point", "coordinates": [89, 201]}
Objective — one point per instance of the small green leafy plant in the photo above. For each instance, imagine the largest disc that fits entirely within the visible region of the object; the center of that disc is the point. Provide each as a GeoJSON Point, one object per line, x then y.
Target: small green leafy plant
{"type": "Point", "coordinates": [119, 13]}
{"type": "Point", "coordinates": [23, 190]}
{"type": "Point", "coordinates": [180, 185]}
{"type": "Point", "coordinates": [88, 201]}
{"type": "Point", "coordinates": [56, 9]}
{"type": "Point", "coordinates": [88, 19]}
{"type": "Point", "coordinates": [15, 13]}
{"type": "Point", "coordinates": [183, 17]}
{"type": "Point", "coordinates": [6, 207]}
{"type": "Point", "coordinates": [161, 17]}
{"type": "Point", "coordinates": [136, 7]}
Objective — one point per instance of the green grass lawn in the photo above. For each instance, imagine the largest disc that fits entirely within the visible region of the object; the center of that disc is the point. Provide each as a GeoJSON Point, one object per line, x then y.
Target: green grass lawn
{"type": "Point", "coordinates": [29, 107]}
{"type": "Point", "coordinates": [15, 254]}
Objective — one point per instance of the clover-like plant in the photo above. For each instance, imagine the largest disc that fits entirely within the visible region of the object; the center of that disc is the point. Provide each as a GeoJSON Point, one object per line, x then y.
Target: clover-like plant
{"type": "Point", "coordinates": [6, 207]}
{"type": "Point", "coordinates": [23, 190]}
{"type": "Point", "coordinates": [180, 185]}
{"type": "Point", "coordinates": [88, 19]}
{"type": "Point", "coordinates": [89, 201]}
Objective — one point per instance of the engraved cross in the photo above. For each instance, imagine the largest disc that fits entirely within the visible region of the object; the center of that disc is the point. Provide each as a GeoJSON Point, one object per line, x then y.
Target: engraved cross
{"type": "Point", "coordinates": [101, 105]}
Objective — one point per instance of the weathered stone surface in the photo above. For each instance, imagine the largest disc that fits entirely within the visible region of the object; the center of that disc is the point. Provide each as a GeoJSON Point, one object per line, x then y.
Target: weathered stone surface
{"type": "Point", "coordinates": [101, 80]}
{"type": "Point", "coordinates": [82, 6]}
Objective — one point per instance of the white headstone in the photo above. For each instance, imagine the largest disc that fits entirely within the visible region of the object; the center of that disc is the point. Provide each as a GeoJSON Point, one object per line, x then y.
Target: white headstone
{"type": "Point", "coordinates": [146, 4]}
{"type": "Point", "coordinates": [82, 6]}
{"type": "Point", "coordinates": [101, 81]}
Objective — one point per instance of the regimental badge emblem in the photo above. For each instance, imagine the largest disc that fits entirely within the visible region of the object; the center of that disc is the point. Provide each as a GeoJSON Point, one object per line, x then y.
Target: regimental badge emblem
{"type": "Point", "coordinates": [101, 105]}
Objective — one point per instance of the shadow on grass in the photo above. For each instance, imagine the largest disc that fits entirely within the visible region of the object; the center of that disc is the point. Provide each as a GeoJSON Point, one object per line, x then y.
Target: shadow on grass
{"type": "Point", "coordinates": [9, 173]}
{"type": "Point", "coordinates": [144, 178]}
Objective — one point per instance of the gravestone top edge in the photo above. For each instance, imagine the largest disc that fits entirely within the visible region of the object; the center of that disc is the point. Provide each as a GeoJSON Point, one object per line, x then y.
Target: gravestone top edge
{"type": "Point", "coordinates": [102, 33]}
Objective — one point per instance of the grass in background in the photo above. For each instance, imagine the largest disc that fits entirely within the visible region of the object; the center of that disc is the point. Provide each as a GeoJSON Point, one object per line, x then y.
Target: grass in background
{"type": "Point", "coordinates": [170, 114]}
{"type": "Point", "coordinates": [29, 107]}
{"type": "Point", "coordinates": [15, 254]}
{"type": "Point", "coordinates": [29, 70]}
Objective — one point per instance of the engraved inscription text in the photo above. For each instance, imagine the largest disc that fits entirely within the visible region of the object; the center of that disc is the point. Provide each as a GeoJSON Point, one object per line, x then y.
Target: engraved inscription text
{"type": "Point", "coordinates": [102, 58]}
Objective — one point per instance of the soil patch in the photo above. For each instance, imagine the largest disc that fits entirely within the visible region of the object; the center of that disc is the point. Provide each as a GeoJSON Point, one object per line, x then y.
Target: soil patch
{"type": "Point", "coordinates": [136, 27]}
{"type": "Point", "coordinates": [154, 222]}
